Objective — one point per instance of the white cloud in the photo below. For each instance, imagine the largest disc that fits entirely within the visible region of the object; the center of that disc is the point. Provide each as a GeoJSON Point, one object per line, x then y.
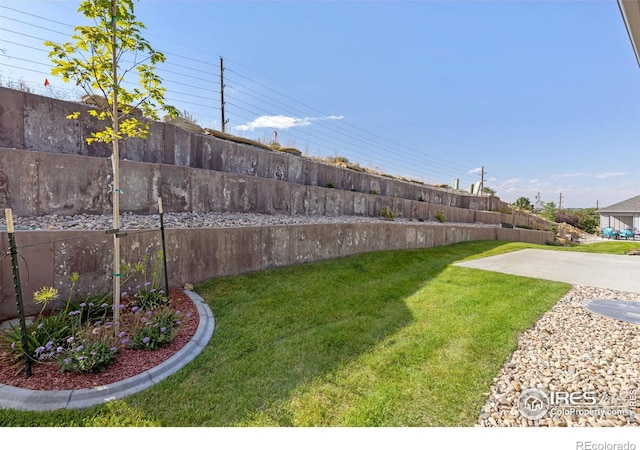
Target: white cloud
{"type": "Point", "coordinates": [281, 122]}
{"type": "Point", "coordinates": [511, 181]}
{"type": "Point", "coordinates": [609, 174]}
{"type": "Point", "coordinates": [535, 180]}
{"type": "Point", "coordinates": [575, 174]}
{"type": "Point", "coordinates": [476, 170]}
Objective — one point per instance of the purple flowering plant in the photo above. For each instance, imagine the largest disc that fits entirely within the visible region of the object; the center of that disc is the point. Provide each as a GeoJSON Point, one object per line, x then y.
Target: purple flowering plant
{"type": "Point", "coordinates": [155, 330]}
{"type": "Point", "coordinates": [93, 351]}
{"type": "Point", "coordinates": [149, 294]}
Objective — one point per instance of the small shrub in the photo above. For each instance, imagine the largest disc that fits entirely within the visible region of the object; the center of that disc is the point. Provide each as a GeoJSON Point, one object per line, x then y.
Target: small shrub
{"type": "Point", "coordinates": [420, 219]}
{"type": "Point", "coordinates": [330, 185]}
{"type": "Point", "coordinates": [150, 295]}
{"type": "Point", "coordinates": [421, 198]}
{"type": "Point", "coordinates": [94, 308]}
{"type": "Point", "coordinates": [47, 332]}
{"type": "Point", "coordinates": [440, 217]}
{"type": "Point", "coordinates": [571, 219]}
{"type": "Point", "coordinates": [91, 351]}
{"type": "Point", "coordinates": [154, 328]}
{"type": "Point", "coordinates": [387, 213]}
{"type": "Point", "coordinates": [373, 192]}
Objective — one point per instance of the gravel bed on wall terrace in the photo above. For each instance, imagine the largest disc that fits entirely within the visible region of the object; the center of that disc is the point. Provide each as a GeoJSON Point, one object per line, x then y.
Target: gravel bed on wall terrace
{"type": "Point", "coordinates": [195, 220]}
{"type": "Point", "coordinates": [572, 350]}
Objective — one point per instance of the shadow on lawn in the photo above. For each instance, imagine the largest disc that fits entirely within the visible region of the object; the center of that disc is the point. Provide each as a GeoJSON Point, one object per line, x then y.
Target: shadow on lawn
{"type": "Point", "coordinates": [281, 329]}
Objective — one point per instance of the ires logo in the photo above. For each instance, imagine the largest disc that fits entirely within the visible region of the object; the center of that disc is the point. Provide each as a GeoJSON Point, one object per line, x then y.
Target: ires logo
{"type": "Point", "coordinates": [535, 403]}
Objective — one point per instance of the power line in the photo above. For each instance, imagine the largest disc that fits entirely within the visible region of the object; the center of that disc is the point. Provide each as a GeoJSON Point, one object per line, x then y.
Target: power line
{"type": "Point", "coordinates": [373, 136]}
{"type": "Point", "coordinates": [254, 95]}
{"type": "Point", "coordinates": [368, 141]}
{"type": "Point", "coordinates": [35, 15]}
{"type": "Point", "coordinates": [297, 101]}
{"type": "Point", "coordinates": [453, 166]}
{"type": "Point", "coordinates": [38, 27]}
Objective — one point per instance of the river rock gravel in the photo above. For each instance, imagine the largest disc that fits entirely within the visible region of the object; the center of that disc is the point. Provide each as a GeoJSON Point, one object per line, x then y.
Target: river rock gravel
{"type": "Point", "coordinates": [130, 221]}
{"type": "Point", "coordinates": [571, 350]}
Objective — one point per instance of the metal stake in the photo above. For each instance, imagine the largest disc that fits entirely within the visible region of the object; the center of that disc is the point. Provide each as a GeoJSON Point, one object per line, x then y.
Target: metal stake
{"type": "Point", "coordinates": [16, 283]}
{"type": "Point", "coordinates": [164, 248]}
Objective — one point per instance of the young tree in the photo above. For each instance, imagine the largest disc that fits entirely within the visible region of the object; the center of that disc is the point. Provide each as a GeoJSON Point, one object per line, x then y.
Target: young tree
{"type": "Point", "coordinates": [539, 204]}
{"type": "Point", "coordinates": [100, 59]}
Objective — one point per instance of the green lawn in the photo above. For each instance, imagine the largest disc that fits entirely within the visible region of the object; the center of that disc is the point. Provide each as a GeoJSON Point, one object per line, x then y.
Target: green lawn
{"type": "Point", "coordinates": [611, 247]}
{"type": "Point", "coordinates": [398, 338]}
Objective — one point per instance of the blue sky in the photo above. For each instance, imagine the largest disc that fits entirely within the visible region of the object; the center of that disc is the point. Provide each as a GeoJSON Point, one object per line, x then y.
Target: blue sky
{"type": "Point", "coordinates": [545, 95]}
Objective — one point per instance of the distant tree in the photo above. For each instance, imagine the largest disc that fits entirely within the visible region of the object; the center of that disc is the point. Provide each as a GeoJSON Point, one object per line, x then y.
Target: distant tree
{"type": "Point", "coordinates": [538, 206]}
{"type": "Point", "coordinates": [96, 62]}
{"type": "Point", "coordinates": [589, 220]}
{"type": "Point", "coordinates": [522, 203]}
{"type": "Point", "coordinates": [488, 191]}
{"type": "Point", "coordinates": [549, 211]}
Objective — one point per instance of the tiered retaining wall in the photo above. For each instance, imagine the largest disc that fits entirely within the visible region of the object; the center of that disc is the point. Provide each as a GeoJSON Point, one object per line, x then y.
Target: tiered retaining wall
{"type": "Point", "coordinates": [48, 183]}
{"type": "Point", "coordinates": [36, 123]}
{"type": "Point", "coordinates": [46, 167]}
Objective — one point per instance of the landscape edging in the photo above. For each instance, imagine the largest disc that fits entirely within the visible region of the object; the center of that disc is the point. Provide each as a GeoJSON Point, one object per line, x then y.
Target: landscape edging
{"type": "Point", "coordinates": [34, 400]}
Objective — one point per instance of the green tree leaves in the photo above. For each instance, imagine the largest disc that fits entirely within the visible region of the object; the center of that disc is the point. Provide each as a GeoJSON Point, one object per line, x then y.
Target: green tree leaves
{"type": "Point", "coordinates": [88, 62]}
{"type": "Point", "coordinates": [522, 203]}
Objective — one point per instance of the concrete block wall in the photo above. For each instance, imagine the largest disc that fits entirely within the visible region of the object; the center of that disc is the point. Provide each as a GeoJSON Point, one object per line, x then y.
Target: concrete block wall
{"type": "Point", "coordinates": [38, 183]}
{"type": "Point", "coordinates": [36, 123]}
{"type": "Point", "coordinates": [49, 257]}
{"type": "Point", "coordinates": [46, 167]}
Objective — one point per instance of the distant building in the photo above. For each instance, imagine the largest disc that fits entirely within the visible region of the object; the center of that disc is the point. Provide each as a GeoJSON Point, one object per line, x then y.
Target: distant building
{"type": "Point", "coordinates": [621, 216]}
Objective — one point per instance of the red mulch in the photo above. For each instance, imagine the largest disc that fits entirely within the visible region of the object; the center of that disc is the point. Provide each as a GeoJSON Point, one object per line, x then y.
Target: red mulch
{"type": "Point", "coordinates": [128, 362]}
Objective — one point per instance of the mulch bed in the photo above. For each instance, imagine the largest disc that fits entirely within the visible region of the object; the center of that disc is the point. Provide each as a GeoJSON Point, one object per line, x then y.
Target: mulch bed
{"type": "Point", "coordinates": [128, 362]}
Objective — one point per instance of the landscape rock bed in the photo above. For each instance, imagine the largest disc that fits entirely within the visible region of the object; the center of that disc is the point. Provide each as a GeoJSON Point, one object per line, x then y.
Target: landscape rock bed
{"type": "Point", "coordinates": [193, 220]}
{"type": "Point", "coordinates": [571, 349]}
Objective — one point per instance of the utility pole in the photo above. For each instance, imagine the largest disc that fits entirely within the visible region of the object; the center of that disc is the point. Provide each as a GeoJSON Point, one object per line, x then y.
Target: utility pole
{"type": "Point", "coordinates": [481, 189]}
{"type": "Point", "coordinates": [224, 122]}
{"type": "Point", "coordinates": [560, 204]}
